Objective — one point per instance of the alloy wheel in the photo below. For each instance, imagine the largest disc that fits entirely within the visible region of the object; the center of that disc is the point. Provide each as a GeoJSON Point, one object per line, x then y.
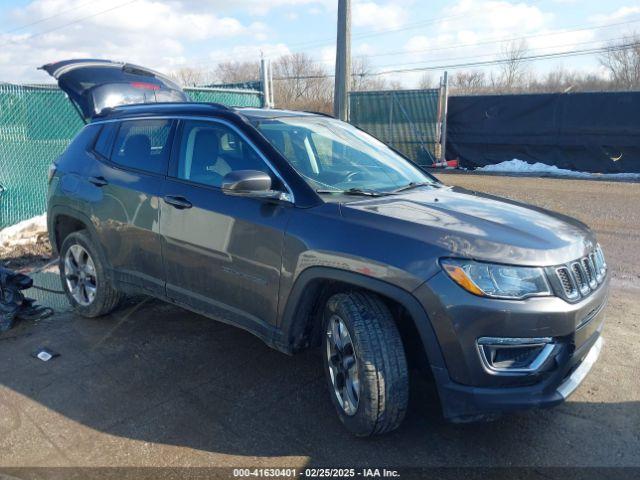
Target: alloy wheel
{"type": "Point", "coordinates": [80, 275]}
{"type": "Point", "coordinates": [343, 365]}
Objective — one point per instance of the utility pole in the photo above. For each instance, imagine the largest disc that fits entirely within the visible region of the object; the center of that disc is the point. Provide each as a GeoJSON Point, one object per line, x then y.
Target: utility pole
{"type": "Point", "coordinates": [343, 62]}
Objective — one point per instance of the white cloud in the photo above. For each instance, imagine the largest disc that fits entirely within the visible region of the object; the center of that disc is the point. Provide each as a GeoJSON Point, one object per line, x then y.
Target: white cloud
{"type": "Point", "coordinates": [255, 7]}
{"type": "Point", "coordinates": [477, 27]}
{"type": "Point", "coordinates": [363, 49]}
{"type": "Point", "coordinates": [155, 33]}
{"type": "Point", "coordinates": [379, 16]}
{"type": "Point", "coordinates": [328, 56]}
{"type": "Point", "coordinates": [417, 43]}
{"type": "Point", "coordinates": [242, 53]}
{"type": "Point", "coordinates": [619, 14]}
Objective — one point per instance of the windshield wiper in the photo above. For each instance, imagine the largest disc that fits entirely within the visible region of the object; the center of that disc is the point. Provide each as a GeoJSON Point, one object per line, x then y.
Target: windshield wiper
{"type": "Point", "coordinates": [356, 191]}
{"type": "Point", "coordinates": [412, 185]}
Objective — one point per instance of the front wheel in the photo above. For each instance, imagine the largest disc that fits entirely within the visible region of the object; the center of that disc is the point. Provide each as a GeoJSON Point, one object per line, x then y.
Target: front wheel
{"type": "Point", "coordinates": [365, 363]}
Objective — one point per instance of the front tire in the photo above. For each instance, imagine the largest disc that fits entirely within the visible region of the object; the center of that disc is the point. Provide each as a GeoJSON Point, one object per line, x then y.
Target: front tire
{"type": "Point", "coordinates": [82, 271]}
{"type": "Point", "coordinates": [365, 363]}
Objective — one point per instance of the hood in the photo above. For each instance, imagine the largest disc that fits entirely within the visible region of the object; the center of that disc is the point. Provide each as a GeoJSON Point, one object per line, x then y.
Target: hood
{"type": "Point", "coordinates": [473, 225]}
{"type": "Point", "coordinates": [93, 85]}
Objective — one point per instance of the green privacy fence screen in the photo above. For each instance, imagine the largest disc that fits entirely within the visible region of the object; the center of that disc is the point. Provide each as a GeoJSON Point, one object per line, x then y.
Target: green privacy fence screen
{"type": "Point", "coordinates": [36, 125]}
{"type": "Point", "coordinates": [407, 120]}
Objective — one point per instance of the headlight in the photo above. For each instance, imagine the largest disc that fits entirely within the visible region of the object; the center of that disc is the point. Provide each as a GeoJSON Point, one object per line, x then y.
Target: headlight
{"type": "Point", "coordinates": [497, 281]}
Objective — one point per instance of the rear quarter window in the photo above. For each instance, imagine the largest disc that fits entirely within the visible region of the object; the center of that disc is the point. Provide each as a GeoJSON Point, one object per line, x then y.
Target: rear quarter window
{"type": "Point", "coordinates": [104, 141]}
{"type": "Point", "coordinates": [143, 145]}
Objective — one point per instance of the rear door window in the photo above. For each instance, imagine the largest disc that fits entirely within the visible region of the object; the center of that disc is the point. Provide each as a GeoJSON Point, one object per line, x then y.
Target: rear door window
{"type": "Point", "coordinates": [143, 145]}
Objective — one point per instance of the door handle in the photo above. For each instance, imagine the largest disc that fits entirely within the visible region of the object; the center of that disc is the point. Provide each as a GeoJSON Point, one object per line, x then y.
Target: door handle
{"type": "Point", "coordinates": [177, 202]}
{"type": "Point", "coordinates": [98, 181]}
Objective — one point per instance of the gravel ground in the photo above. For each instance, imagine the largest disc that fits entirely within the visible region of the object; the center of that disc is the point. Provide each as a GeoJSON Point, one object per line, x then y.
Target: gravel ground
{"type": "Point", "coordinates": [153, 385]}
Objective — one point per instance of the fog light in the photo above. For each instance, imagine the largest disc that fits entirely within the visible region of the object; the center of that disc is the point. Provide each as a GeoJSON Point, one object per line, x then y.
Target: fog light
{"type": "Point", "coordinates": [514, 356]}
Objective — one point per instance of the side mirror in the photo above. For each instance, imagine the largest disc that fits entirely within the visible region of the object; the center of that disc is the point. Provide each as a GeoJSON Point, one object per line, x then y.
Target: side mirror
{"type": "Point", "coordinates": [251, 183]}
{"type": "Point", "coordinates": [245, 181]}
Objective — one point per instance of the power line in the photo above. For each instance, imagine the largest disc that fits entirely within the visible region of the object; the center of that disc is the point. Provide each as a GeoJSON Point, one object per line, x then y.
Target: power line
{"type": "Point", "coordinates": [530, 58]}
{"type": "Point", "coordinates": [571, 53]}
{"type": "Point", "coordinates": [505, 39]}
{"type": "Point", "coordinates": [59, 27]}
{"type": "Point", "coordinates": [573, 44]}
{"type": "Point", "coordinates": [21, 27]}
{"type": "Point", "coordinates": [367, 33]}
{"type": "Point", "coordinates": [410, 26]}
{"type": "Point", "coordinates": [495, 40]}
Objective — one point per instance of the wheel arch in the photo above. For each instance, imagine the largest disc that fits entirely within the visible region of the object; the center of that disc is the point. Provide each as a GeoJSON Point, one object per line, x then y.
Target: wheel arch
{"type": "Point", "coordinates": [300, 321]}
{"type": "Point", "coordinates": [62, 220]}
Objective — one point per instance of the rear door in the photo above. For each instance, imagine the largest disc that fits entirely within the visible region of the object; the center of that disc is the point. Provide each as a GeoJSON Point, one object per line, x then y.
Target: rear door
{"type": "Point", "coordinates": [127, 182]}
{"type": "Point", "coordinates": [93, 85]}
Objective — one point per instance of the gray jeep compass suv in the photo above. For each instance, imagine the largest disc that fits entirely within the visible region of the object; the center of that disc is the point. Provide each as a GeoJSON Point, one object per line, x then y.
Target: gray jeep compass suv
{"type": "Point", "coordinates": [308, 232]}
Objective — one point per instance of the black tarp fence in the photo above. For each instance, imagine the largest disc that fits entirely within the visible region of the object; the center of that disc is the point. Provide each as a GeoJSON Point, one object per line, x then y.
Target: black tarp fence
{"type": "Point", "coordinates": [590, 132]}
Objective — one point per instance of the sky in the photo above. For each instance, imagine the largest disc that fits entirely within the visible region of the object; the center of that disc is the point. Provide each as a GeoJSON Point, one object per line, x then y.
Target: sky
{"type": "Point", "coordinates": [395, 34]}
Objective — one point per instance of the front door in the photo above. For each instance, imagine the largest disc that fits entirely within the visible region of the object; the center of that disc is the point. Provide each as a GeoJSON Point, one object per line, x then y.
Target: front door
{"type": "Point", "coordinates": [222, 253]}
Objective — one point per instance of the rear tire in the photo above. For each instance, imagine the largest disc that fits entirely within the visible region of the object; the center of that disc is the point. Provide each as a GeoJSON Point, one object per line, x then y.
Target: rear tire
{"type": "Point", "coordinates": [366, 369]}
{"type": "Point", "coordinates": [84, 279]}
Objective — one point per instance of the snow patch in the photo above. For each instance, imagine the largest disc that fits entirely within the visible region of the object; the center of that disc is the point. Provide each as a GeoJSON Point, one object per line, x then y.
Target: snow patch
{"type": "Point", "coordinates": [24, 233]}
{"type": "Point", "coordinates": [519, 166]}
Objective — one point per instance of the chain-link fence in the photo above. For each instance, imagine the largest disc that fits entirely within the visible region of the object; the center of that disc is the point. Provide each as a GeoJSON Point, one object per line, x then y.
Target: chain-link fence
{"type": "Point", "coordinates": [232, 97]}
{"type": "Point", "coordinates": [36, 125]}
{"type": "Point", "coordinates": [407, 120]}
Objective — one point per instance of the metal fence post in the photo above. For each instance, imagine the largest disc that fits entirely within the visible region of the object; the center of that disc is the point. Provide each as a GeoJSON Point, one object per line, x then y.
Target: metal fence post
{"type": "Point", "coordinates": [264, 75]}
{"type": "Point", "coordinates": [443, 134]}
{"type": "Point", "coordinates": [390, 141]}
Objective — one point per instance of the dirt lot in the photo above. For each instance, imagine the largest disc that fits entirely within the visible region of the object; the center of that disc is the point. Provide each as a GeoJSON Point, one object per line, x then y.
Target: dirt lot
{"type": "Point", "coordinates": [154, 385]}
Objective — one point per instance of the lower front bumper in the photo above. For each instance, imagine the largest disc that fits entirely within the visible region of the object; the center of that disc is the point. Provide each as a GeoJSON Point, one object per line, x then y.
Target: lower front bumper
{"type": "Point", "coordinates": [463, 403]}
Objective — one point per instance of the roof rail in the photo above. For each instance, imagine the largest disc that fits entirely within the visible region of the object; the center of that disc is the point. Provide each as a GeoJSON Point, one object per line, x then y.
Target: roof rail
{"type": "Point", "coordinates": [107, 110]}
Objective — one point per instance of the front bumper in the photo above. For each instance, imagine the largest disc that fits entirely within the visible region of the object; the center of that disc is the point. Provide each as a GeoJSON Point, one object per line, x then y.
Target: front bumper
{"type": "Point", "coordinates": [467, 389]}
{"type": "Point", "coordinates": [462, 403]}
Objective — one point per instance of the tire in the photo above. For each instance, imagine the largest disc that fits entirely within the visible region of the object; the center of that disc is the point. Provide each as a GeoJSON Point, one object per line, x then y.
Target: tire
{"type": "Point", "coordinates": [380, 364]}
{"type": "Point", "coordinates": [105, 297]}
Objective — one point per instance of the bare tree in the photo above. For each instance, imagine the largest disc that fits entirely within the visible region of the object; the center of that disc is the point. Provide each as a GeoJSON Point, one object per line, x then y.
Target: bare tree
{"type": "Point", "coordinates": [237, 72]}
{"type": "Point", "coordinates": [300, 83]}
{"type": "Point", "coordinates": [426, 82]}
{"type": "Point", "coordinates": [472, 82]}
{"type": "Point", "coordinates": [622, 61]}
{"type": "Point", "coordinates": [513, 70]}
{"type": "Point", "coordinates": [190, 77]}
{"type": "Point", "coordinates": [362, 76]}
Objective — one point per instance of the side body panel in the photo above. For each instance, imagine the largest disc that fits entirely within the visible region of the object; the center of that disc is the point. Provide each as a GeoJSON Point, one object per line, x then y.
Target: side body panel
{"type": "Point", "coordinates": [223, 255]}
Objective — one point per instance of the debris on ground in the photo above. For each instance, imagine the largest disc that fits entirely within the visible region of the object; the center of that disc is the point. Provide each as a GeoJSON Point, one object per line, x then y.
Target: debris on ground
{"type": "Point", "coordinates": [45, 354]}
{"type": "Point", "coordinates": [13, 304]}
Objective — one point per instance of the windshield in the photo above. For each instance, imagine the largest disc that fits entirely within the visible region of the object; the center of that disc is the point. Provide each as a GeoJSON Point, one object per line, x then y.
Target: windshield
{"type": "Point", "coordinates": [334, 156]}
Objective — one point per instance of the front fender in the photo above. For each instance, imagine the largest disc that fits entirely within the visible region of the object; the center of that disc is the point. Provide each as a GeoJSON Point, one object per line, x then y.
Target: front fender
{"type": "Point", "coordinates": [294, 319]}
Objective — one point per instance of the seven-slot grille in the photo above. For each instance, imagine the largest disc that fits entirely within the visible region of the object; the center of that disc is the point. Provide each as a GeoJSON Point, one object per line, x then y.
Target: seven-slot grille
{"type": "Point", "coordinates": [581, 277]}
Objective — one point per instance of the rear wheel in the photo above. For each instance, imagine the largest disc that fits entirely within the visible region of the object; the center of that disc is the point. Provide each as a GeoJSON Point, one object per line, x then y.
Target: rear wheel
{"type": "Point", "coordinates": [88, 288]}
{"type": "Point", "coordinates": [365, 363]}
